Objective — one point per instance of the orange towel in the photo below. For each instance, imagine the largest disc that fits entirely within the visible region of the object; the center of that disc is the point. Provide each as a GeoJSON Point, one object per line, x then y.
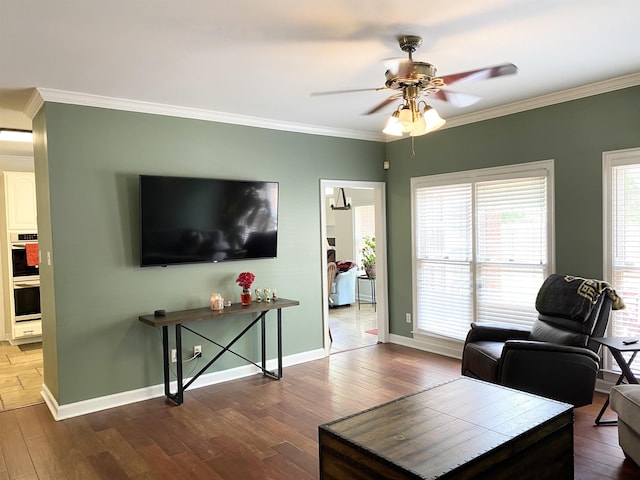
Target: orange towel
{"type": "Point", "coordinates": [32, 254]}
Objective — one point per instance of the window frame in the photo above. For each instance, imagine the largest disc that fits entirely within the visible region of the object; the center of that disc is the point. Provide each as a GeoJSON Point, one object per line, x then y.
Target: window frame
{"type": "Point", "coordinates": [610, 160]}
{"type": "Point", "coordinates": [451, 346]}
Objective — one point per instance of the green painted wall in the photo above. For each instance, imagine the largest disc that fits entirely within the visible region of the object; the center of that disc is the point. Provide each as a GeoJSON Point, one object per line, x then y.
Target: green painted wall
{"type": "Point", "coordinates": [574, 134]}
{"type": "Point", "coordinates": [89, 160]}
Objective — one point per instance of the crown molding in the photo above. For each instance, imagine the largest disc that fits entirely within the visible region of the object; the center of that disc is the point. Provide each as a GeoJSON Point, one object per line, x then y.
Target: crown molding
{"type": "Point", "coordinates": [42, 95]}
{"type": "Point", "coordinates": [89, 100]}
{"type": "Point", "coordinates": [546, 100]}
{"type": "Point", "coordinates": [34, 104]}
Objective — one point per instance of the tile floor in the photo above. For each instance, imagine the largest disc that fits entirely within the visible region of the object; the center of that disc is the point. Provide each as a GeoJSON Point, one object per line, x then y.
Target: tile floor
{"type": "Point", "coordinates": [348, 327]}
{"type": "Point", "coordinates": [21, 375]}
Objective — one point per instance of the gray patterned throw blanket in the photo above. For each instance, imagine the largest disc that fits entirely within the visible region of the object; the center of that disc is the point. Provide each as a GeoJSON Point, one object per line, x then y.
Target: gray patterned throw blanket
{"type": "Point", "coordinates": [573, 297]}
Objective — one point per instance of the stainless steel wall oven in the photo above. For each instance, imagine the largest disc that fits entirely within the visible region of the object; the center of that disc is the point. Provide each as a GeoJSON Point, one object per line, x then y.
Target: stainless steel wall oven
{"type": "Point", "coordinates": [25, 277]}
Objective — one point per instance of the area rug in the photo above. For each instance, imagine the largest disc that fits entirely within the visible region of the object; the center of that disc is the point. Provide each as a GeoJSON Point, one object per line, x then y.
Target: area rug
{"type": "Point", "coordinates": [373, 331]}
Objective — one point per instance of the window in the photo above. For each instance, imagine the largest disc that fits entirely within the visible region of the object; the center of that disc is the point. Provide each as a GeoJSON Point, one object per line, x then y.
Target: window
{"type": "Point", "coordinates": [365, 226]}
{"type": "Point", "coordinates": [622, 227]}
{"type": "Point", "coordinates": [481, 247]}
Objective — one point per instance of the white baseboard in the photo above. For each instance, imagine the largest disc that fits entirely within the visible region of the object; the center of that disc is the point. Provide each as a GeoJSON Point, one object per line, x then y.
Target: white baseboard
{"type": "Point", "coordinates": [452, 350]}
{"type": "Point", "coordinates": [607, 381]}
{"type": "Point", "coordinates": [24, 341]}
{"type": "Point", "coordinates": [60, 412]}
{"type": "Point", "coordinates": [445, 347]}
{"type": "Point", "coordinates": [603, 386]}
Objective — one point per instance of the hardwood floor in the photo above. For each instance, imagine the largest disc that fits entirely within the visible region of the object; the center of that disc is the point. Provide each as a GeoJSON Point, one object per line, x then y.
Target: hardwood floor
{"type": "Point", "coordinates": [253, 428]}
{"type": "Point", "coordinates": [20, 375]}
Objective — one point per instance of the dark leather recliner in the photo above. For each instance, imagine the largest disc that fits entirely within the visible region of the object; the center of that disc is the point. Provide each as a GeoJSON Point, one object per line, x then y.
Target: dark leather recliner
{"type": "Point", "coordinates": [557, 357]}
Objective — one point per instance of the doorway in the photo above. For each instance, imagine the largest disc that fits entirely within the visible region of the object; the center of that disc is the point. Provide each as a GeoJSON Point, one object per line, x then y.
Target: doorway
{"type": "Point", "coordinates": [363, 318]}
{"type": "Point", "coordinates": [22, 358]}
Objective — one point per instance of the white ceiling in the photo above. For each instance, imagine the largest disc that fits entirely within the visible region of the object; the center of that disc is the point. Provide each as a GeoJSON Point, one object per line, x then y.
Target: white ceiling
{"type": "Point", "coordinates": [261, 60]}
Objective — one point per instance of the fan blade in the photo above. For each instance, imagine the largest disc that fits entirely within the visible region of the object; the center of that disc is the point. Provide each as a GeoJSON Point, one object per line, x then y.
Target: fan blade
{"type": "Point", "coordinates": [386, 102]}
{"type": "Point", "coordinates": [457, 99]}
{"type": "Point", "coordinates": [399, 67]}
{"type": "Point", "coordinates": [481, 74]}
{"type": "Point", "coordinates": [337, 92]}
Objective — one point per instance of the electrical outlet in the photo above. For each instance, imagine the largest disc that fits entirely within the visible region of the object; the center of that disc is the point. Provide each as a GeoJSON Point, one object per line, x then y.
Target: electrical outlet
{"type": "Point", "coordinates": [197, 351]}
{"type": "Point", "coordinates": [407, 317]}
{"type": "Point", "coordinates": [174, 355]}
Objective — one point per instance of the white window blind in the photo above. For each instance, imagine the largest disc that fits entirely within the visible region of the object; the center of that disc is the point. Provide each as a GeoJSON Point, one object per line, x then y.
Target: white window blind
{"type": "Point", "coordinates": [481, 246]}
{"type": "Point", "coordinates": [511, 248]}
{"type": "Point", "coordinates": [625, 246]}
{"type": "Point", "coordinates": [443, 259]}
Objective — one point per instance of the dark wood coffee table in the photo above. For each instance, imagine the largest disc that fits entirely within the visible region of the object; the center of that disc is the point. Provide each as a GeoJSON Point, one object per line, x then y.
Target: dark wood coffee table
{"type": "Point", "coordinates": [464, 428]}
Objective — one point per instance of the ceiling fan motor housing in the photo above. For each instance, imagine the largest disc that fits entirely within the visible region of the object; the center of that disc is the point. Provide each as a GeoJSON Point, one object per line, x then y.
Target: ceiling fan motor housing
{"type": "Point", "coordinates": [409, 43]}
{"type": "Point", "coordinates": [419, 74]}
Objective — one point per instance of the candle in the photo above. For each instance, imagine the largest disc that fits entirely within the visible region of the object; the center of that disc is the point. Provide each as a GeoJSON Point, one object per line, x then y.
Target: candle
{"type": "Point", "coordinates": [217, 302]}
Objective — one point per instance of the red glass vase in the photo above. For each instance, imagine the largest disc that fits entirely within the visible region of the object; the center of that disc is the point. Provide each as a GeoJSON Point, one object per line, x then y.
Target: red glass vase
{"type": "Point", "coordinates": [245, 297]}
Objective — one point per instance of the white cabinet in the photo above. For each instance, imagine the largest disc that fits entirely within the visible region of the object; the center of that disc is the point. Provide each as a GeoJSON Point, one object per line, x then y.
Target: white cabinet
{"type": "Point", "coordinates": [20, 190]}
{"type": "Point", "coordinates": [18, 222]}
{"type": "Point", "coordinates": [27, 329]}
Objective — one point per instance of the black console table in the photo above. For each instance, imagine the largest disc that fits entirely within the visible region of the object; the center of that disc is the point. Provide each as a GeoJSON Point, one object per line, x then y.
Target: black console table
{"type": "Point", "coordinates": [372, 286]}
{"type": "Point", "coordinates": [180, 318]}
{"type": "Point", "coordinates": [618, 345]}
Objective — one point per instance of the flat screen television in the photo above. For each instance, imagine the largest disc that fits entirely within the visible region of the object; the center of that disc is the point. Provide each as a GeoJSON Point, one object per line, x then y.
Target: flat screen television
{"type": "Point", "coordinates": [196, 220]}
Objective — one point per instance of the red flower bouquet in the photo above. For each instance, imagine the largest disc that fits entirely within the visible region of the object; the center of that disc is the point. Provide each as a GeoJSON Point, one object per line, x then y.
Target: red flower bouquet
{"type": "Point", "coordinates": [245, 280]}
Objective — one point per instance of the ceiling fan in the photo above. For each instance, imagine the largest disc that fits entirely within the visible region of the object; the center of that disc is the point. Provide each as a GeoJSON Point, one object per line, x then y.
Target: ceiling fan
{"type": "Point", "coordinates": [411, 80]}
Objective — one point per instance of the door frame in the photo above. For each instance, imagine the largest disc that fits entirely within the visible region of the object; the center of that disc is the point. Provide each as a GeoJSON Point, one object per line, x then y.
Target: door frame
{"type": "Point", "coordinates": [382, 309]}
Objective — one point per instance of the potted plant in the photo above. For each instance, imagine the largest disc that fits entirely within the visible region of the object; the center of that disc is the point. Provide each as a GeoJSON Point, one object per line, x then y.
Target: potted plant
{"type": "Point", "coordinates": [368, 253]}
{"type": "Point", "coordinates": [245, 280]}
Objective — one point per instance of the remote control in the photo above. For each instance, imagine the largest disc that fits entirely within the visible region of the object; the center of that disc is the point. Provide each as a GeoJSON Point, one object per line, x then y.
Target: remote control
{"type": "Point", "coordinates": [630, 342]}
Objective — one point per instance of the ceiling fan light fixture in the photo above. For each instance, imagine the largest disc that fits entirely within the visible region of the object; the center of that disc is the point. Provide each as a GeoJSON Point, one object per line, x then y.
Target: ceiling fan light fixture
{"type": "Point", "coordinates": [409, 119]}
{"type": "Point", "coordinates": [419, 127]}
{"type": "Point", "coordinates": [406, 118]}
{"type": "Point", "coordinates": [432, 119]}
{"type": "Point", "coordinates": [393, 126]}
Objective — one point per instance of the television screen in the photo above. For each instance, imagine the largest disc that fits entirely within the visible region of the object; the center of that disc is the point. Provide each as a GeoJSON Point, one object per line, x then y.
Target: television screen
{"type": "Point", "coordinates": [194, 220]}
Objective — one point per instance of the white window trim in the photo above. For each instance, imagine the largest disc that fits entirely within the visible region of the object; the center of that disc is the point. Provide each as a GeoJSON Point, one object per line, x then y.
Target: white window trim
{"type": "Point", "coordinates": [611, 159]}
{"type": "Point", "coordinates": [447, 346]}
